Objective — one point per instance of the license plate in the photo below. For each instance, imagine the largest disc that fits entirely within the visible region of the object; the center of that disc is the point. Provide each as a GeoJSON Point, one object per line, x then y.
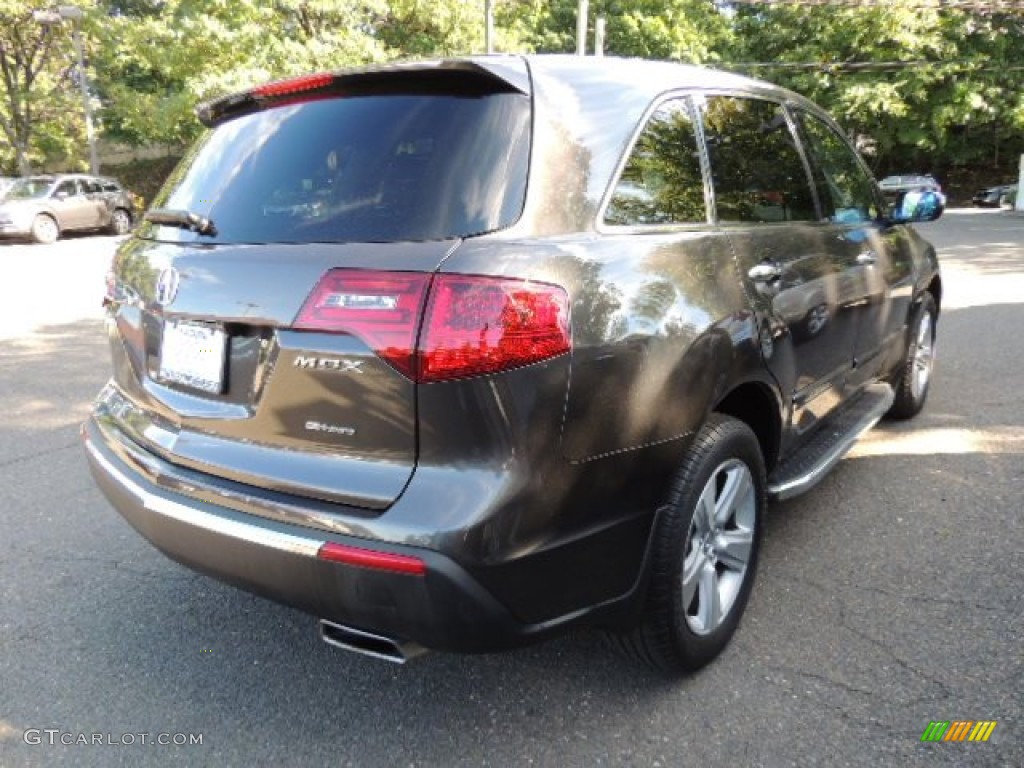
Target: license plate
{"type": "Point", "coordinates": [193, 355]}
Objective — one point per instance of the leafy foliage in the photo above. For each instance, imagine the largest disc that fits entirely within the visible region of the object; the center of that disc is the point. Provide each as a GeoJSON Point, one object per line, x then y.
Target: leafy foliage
{"type": "Point", "coordinates": [922, 86]}
{"type": "Point", "coordinates": [159, 59]}
{"type": "Point", "coordinates": [35, 68]}
{"type": "Point", "coordinates": [680, 30]}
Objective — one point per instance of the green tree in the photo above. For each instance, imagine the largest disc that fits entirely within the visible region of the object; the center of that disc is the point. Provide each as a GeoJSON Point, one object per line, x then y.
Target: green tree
{"type": "Point", "coordinates": [35, 65]}
{"type": "Point", "coordinates": [160, 59]}
{"type": "Point", "coordinates": [421, 28]}
{"type": "Point", "coordinates": [693, 31]}
{"type": "Point", "coordinates": [915, 84]}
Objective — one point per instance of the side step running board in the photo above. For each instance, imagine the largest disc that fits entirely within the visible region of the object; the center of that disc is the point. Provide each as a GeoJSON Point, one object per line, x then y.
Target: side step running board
{"type": "Point", "coordinates": [806, 468]}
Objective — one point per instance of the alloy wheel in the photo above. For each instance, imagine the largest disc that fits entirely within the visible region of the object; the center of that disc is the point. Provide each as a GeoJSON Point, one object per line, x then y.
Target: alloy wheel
{"type": "Point", "coordinates": [924, 357]}
{"type": "Point", "coordinates": [120, 222]}
{"type": "Point", "coordinates": [44, 229]}
{"type": "Point", "coordinates": [719, 546]}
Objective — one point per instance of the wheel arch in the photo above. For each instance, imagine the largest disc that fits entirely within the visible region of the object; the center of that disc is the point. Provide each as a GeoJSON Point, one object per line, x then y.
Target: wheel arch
{"type": "Point", "coordinates": [757, 405]}
{"type": "Point", "coordinates": [935, 289]}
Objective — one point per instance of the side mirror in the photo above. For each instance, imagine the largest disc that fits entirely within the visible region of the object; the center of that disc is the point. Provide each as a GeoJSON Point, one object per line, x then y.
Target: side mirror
{"type": "Point", "coordinates": [61, 195]}
{"type": "Point", "coordinates": [917, 206]}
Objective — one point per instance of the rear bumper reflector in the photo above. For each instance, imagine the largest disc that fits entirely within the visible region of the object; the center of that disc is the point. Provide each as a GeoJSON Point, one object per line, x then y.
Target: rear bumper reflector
{"type": "Point", "coordinates": [368, 558]}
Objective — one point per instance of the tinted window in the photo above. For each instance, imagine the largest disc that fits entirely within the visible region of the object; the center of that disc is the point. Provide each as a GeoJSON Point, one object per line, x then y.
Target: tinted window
{"type": "Point", "coordinates": [90, 186]}
{"type": "Point", "coordinates": [662, 182]}
{"type": "Point", "coordinates": [68, 188]}
{"type": "Point", "coordinates": [371, 168]}
{"type": "Point", "coordinates": [844, 188]}
{"type": "Point", "coordinates": [755, 166]}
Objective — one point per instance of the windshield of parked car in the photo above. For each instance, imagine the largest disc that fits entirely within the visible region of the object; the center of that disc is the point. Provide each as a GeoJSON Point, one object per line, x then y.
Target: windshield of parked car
{"type": "Point", "coordinates": [365, 168]}
{"type": "Point", "coordinates": [28, 189]}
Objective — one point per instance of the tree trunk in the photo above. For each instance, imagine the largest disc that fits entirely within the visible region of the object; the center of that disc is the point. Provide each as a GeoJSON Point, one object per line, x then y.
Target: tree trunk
{"type": "Point", "coordinates": [21, 155]}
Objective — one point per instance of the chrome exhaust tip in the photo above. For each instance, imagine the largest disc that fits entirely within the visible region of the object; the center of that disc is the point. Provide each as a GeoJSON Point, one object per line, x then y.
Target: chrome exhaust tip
{"type": "Point", "coordinates": [369, 644]}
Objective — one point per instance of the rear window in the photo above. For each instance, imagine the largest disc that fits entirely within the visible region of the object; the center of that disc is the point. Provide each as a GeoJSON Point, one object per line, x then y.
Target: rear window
{"type": "Point", "coordinates": [366, 168]}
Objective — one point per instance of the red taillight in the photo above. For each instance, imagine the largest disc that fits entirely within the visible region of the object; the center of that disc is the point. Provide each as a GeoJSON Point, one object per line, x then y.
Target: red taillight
{"type": "Point", "coordinates": [371, 558]}
{"type": "Point", "coordinates": [476, 325]}
{"type": "Point", "coordinates": [472, 325]}
{"type": "Point", "coordinates": [381, 308]}
{"type": "Point", "coordinates": [294, 85]}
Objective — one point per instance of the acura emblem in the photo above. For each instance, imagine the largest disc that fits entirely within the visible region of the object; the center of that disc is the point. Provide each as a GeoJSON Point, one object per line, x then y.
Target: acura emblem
{"type": "Point", "coordinates": [167, 286]}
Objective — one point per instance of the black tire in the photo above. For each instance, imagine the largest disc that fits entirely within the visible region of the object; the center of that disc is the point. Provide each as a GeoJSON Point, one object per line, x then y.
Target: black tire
{"type": "Point", "coordinates": [918, 361]}
{"type": "Point", "coordinates": [120, 222]}
{"type": "Point", "coordinates": [668, 637]}
{"type": "Point", "coordinates": [45, 229]}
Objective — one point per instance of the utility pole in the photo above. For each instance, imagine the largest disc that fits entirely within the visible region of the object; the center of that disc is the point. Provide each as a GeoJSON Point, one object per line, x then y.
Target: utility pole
{"type": "Point", "coordinates": [581, 27]}
{"type": "Point", "coordinates": [599, 36]}
{"type": "Point", "coordinates": [74, 14]}
{"type": "Point", "coordinates": [489, 25]}
{"type": "Point", "coordinates": [1019, 205]}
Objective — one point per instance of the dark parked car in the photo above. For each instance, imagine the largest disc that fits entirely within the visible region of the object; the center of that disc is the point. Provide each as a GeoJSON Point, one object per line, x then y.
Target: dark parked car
{"type": "Point", "coordinates": [454, 355]}
{"type": "Point", "coordinates": [994, 197]}
{"type": "Point", "coordinates": [43, 207]}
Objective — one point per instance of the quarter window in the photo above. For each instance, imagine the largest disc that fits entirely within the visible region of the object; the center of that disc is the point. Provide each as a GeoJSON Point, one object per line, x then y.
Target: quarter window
{"type": "Point", "coordinates": [844, 188]}
{"type": "Point", "coordinates": [756, 168]}
{"type": "Point", "coordinates": [662, 182]}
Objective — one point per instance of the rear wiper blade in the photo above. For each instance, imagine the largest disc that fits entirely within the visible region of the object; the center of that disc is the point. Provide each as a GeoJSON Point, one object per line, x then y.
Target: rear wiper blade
{"type": "Point", "coordinates": [172, 217]}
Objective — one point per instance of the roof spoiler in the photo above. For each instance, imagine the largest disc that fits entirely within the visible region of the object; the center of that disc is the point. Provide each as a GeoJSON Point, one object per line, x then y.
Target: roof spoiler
{"type": "Point", "coordinates": [506, 72]}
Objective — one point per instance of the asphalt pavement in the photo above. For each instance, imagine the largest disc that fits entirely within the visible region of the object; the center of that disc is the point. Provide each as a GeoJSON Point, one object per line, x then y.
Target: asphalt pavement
{"type": "Point", "coordinates": [888, 597]}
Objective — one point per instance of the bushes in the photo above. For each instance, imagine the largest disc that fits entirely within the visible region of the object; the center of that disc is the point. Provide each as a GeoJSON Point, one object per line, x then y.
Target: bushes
{"type": "Point", "coordinates": [143, 177]}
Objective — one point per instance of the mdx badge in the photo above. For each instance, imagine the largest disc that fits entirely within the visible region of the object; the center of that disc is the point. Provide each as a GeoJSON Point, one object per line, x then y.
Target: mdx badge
{"type": "Point", "coordinates": [167, 286]}
{"type": "Point", "coordinates": [328, 364]}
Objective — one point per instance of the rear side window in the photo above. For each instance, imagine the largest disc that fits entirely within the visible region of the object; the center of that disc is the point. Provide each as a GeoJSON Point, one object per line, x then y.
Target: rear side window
{"type": "Point", "coordinates": [756, 168]}
{"type": "Point", "coordinates": [365, 168]}
{"type": "Point", "coordinates": [662, 182]}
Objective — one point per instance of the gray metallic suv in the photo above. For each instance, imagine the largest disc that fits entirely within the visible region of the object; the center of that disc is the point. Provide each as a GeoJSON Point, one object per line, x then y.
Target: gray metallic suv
{"type": "Point", "coordinates": [44, 207]}
{"type": "Point", "coordinates": [454, 355]}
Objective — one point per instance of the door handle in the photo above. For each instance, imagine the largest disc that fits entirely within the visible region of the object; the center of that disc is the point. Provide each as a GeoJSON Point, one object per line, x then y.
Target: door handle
{"type": "Point", "coordinates": [867, 258]}
{"type": "Point", "coordinates": [765, 272]}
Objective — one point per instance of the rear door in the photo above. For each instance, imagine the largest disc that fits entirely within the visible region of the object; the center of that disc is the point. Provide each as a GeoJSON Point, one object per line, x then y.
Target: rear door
{"type": "Point", "coordinates": [790, 263]}
{"type": "Point", "coordinates": [98, 214]}
{"type": "Point", "coordinates": [70, 205]}
{"type": "Point", "coordinates": [277, 350]}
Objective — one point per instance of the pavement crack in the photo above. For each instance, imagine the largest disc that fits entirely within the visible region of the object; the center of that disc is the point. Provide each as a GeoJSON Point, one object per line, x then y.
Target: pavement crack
{"type": "Point", "coordinates": [912, 597]}
{"type": "Point", "coordinates": [30, 456]}
{"type": "Point", "coordinates": [917, 598]}
{"type": "Point", "coordinates": [849, 624]}
{"type": "Point", "coordinates": [826, 679]}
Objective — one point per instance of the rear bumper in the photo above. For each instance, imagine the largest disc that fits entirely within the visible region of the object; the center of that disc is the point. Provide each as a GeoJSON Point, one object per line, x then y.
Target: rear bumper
{"type": "Point", "coordinates": [444, 609]}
